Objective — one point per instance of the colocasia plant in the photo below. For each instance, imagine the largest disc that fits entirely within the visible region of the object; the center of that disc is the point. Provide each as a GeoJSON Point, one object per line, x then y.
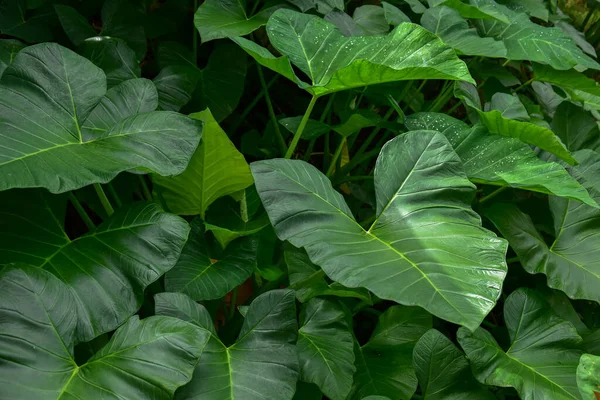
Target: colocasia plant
{"type": "Point", "coordinates": [298, 199]}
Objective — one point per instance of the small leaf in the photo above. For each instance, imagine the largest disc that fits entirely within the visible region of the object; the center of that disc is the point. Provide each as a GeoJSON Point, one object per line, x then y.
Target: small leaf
{"type": "Point", "coordinates": [325, 348]}
{"type": "Point", "coordinates": [202, 277]}
{"type": "Point", "coordinates": [443, 370]}
{"type": "Point", "coordinates": [542, 358]}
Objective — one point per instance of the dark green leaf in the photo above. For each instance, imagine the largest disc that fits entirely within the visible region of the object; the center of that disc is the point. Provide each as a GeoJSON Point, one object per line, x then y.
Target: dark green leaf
{"type": "Point", "coordinates": [8, 50]}
{"type": "Point", "coordinates": [577, 85]}
{"type": "Point", "coordinates": [76, 26]}
{"type": "Point", "coordinates": [116, 59]}
{"type": "Point", "coordinates": [577, 128]}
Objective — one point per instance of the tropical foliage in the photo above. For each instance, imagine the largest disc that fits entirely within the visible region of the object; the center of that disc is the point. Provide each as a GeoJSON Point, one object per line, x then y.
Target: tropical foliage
{"type": "Point", "coordinates": [298, 200]}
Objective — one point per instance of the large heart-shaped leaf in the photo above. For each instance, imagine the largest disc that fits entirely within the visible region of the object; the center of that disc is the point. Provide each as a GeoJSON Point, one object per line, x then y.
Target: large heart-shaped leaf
{"type": "Point", "coordinates": [501, 161]}
{"type": "Point", "coordinates": [202, 277]}
{"type": "Point", "coordinates": [216, 19]}
{"type": "Point", "coordinates": [577, 128]}
{"type": "Point", "coordinates": [325, 348]}
{"type": "Point", "coordinates": [543, 355]}
{"type": "Point", "coordinates": [525, 40]}
{"type": "Point", "coordinates": [384, 364]}
{"type": "Point", "coordinates": [261, 364]}
{"type": "Point", "coordinates": [577, 85]}
{"type": "Point", "coordinates": [454, 31]}
{"type": "Point", "coordinates": [106, 270]}
{"type": "Point", "coordinates": [113, 56]}
{"type": "Point", "coordinates": [334, 62]}
{"type": "Point", "coordinates": [46, 95]}
{"type": "Point", "coordinates": [37, 336]}
{"type": "Point", "coordinates": [217, 169]}
{"type": "Point", "coordinates": [482, 11]}
{"type": "Point", "coordinates": [425, 248]}
{"type": "Point", "coordinates": [30, 25]}
{"type": "Point", "coordinates": [572, 261]}
{"type": "Point", "coordinates": [443, 371]}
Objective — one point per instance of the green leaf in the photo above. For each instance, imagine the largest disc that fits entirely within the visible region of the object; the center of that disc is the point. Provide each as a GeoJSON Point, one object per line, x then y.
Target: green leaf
{"type": "Point", "coordinates": [588, 376]}
{"type": "Point", "coordinates": [63, 89]}
{"type": "Point", "coordinates": [325, 348]}
{"type": "Point", "coordinates": [384, 364]}
{"type": "Point", "coordinates": [181, 306]}
{"type": "Point", "coordinates": [203, 278]}
{"type": "Point", "coordinates": [548, 99]}
{"type": "Point", "coordinates": [542, 358]}
{"type": "Point", "coordinates": [572, 262]}
{"type": "Point", "coordinates": [488, 69]}
{"type": "Point", "coordinates": [401, 249]}
{"type": "Point", "coordinates": [8, 50]}
{"type": "Point", "coordinates": [216, 169]}
{"type": "Point", "coordinates": [577, 36]}
{"type": "Point", "coordinates": [393, 15]}
{"type": "Point", "coordinates": [455, 32]}
{"type": "Point", "coordinates": [175, 85]}
{"type": "Point", "coordinates": [577, 85]}
{"type": "Point", "coordinates": [122, 19]}
{"type": "Point", "coordinates": [113, 56]}
{"type": "Point", "coordinates": [371, 19]}
{"type": "Point", "coordinates": [443, 370]}
{"type": "Point", "coordinates": [525, 40]}
{"type": "Point", "coordinates": [76, 26]}
{"type": "Point", "coordinates": [216, 19]}
{"type": "Point", "coordinates": [501, 161]}
{"type": "Point", "coordinates": [489, 11]}
{"type": "Point", "coordinates": [312, 130]}
{"type": "Point", "coordinates": [344, 23]}
{"type": "Point", "coordinates": [29, 25]}
{"type": "Point", "coordinates": [261, 364]}
{"type": "Point", "coordinates": [308, 280]}
{"type": "Point", "coordinates": [535, 8]}
{"type": "Point", "coordinates": [528, 132]}
{"type": "Point", "coordinates": [577, 128]}
{"type": "Point", "coordinates": [106, 270]}
{"type": "Point", "coordinates": [416, 6]}
{"type": "Point", "coordinates": [510, 107]}
{"type": "Point", "coordinates": [333, 62]}
{"type": "Point", "coordinates": [122, 101]}
{"type": "Point", "coordinates": [37, 339]}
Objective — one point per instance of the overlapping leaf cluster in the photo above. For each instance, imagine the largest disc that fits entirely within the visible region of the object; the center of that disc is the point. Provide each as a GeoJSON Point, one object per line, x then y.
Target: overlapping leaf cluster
{"type": "Point", "coordinates": [298, 199]}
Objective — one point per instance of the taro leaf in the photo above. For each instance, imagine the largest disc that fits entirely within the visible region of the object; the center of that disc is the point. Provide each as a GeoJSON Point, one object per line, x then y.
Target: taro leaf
{"type": "Point", "coordinates": [588, 376]}
{"type": "Point", "coordinates": [455, 32]}
{"type": "Point", "coordinates": [510, 106]}
{"type": "Point", "coordinates": [535, 8]}
{"type": "Point", "coordinates": [181, 306]}
{"type": "Point", "coordinates": [469, 95]}
{"type": "Point", "coordinates": [416, 6]}
{"type": "Point", "coordinates": [333, 62]}
{"type": "Point", "coordinates": [308, 280]}
{"type": "Point", "coordinates": [76, 26]}
{"type": "Point", "coordinates": [525, 40]}
{"type": "Point", "coordinates": [487, 69]}
{"type": "Point", "coordinates": [46, 94]}
{"type": "Point", "coordinates": [371, 19]}
{"type": "Point", "coordinates": [116, 59]}
{"type": "Point", "coordinates": [410, 254]}
{"type": "Point", "coordinates": [227, 223]}
{"type": "Point", "coordinates": [8, 50]}
{"type": "Point", "coordinates": [201, 277]}
{"type": "Point", "coordinates": [313, 129]}
{"type": "Point", "coordinates": [106, 270]}
{"type": "Point", "coordinates": [39, 319]}
{"type": "Point", "coordinates": [175, 85]}
{"type": "Point", "coordinates": [384, 365]}
{"type": "Point", "coordinates": [30, 25]}
{"type": "Point", "coordinates": [261, 364]}
{"type": "Point", "coordinates": [577, 36]}
{"type": "Point", "coordinates": [344, 23]}
{"type": "Point", "coordinates": [577, 85]}
{"type": "Point", "coordinates": [576, 127]}
{"type": "Point", "coordinates": [216, 19]}
{"type": "Point", "coordinates": [443, 370]}
{"type": "Point", "coordinates": [174, 53]}
{"type": "Point", "coordinates": [543, 355]}
{"type": "Point", "coordinates": [122, 19]}
{"type": "Point", "coordinates": [216, 169]}
{"type": "Point", "coordinates": [572, 262]}
{"type": "Point", "coordinates": [393, 15]}
{"type": "Point", "coordinates": [501, 161]}
{"type": "Point", "coordinates": [122, 101]}
{"type": "Point", "coordinates": [548, 99]}
{"type": "Point", "coordinates": [326, 348]}
{"type": "Point", "coordinates": [527, 132]}
{"type": "Point", "coordinates": [327, 6]}
{"type": "Point", "coordinates": [484, 11]}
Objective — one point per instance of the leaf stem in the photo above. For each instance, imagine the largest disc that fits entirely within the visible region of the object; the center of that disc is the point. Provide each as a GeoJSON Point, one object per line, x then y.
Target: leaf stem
{"type": "Point", "coordinates": [233, 301]}
{"type": "Point", "coordinates": [114, 194]}
{"type": "Point", "coordinates": [513, 260]}
{"type": "Point", "coordinates": [252, 104]}
{"type": "Point", "coordinates": [263, 83]}
{"type": "Point", "coordinates": [396, 107]}
{"type": "Point", "coordinates": [81, 211]}
{"type": "Point", "coordinates": [505, 63]}
{"type": "Point", "coordinates": [524, 85]}
{"type": "Point", "coordinates": [145, 188]}
{"type": "Point", "coordinates": [303, 123]}
{"type": "Point", "coordinates": [103, 199]}
{"type": "Point", "coordinates": [244, 207]}
{"type": "Point", "coordinates": [336, 156]}
{"type": "Point", "coordinates": [493, 194]}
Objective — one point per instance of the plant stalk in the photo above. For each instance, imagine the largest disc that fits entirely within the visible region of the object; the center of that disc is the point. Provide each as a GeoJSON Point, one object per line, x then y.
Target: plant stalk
{"type": "Point", "coordinates": [265, 89]}
{"type": "Point", "coordinates": [145, 188]}
{"type": "Point", "coordinates": [103, 199]}
{"type": "Point", "coordinates": [336, 156]}
{"type": "Point", "coordinates": [493, 194]}
{"type": "Point", "coordinates": [300, 130]}
{"type": "Point", "coordinates": [114, 194]}
{"type": "Point", "coordinates": [81, 211]}
{"type": "Point", "coordinates": [233, 301]}
{"type": "Point", "coordinates": [252, 104]}
{"type": "Point", "coordinates": [524, 85]}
